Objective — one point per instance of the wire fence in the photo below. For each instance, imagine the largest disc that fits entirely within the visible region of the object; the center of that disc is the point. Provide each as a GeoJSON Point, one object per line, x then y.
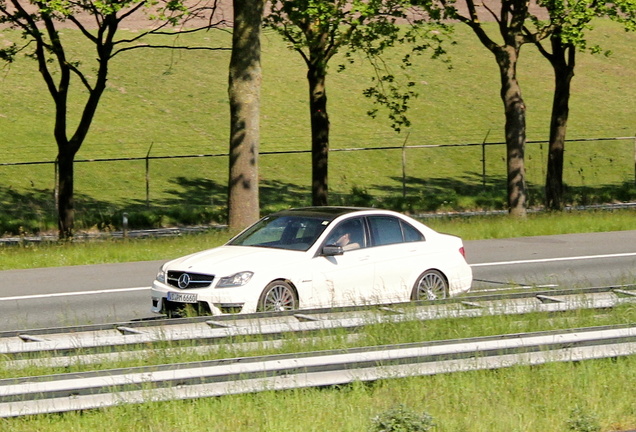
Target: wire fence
{"type": "Point", "coordinates": [201, 179]}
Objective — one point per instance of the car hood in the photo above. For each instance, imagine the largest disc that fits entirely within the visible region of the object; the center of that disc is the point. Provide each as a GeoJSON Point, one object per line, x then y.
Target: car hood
{"type": "Point", "coordinates": [226, 260]}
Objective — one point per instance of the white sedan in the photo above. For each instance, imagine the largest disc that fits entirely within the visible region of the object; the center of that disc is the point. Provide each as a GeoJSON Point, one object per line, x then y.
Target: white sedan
{"type": "Point", "coordinates": [316, 257]}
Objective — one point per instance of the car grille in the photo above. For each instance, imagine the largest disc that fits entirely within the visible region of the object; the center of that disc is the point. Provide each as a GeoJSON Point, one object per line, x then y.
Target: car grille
{"type": "Point", "coordinates": [185, 280]}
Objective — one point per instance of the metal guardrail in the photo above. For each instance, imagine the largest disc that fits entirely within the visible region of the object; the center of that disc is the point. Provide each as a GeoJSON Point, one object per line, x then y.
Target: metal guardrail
{"type": "Point", "coordinates": [80, 391]}
{"type": "Point", "coordinates": [68, 343]}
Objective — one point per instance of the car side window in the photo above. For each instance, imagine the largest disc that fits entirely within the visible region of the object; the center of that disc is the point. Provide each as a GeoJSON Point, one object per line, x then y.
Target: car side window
{"type": "Point", "coordinates": [385, 230]}
{"type": "Point", "coordinates": [410, 233]}
{"type": "Point", "coordinates": [348, 234]}
{"type": "Point", "coordinates": [391, 230]}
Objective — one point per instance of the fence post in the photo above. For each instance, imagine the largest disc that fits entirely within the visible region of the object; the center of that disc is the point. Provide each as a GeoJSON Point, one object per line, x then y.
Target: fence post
{"type": "Point", "coordinates": [483, 160]}
{"type": "Point", "coordinates": [56, 190]}
{"type": "Point", "coordinates": [124, 224]}
{"type": "Point", "coordinates": [148, 176]}
{"type": "Point", "coordinates": [404, 166]}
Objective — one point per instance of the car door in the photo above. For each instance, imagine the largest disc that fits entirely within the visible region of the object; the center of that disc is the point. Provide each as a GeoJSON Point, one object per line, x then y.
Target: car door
{"type": "Point", "coordinates": [341, 280]}
{"type": "Point", "coordinates": [398, 249]}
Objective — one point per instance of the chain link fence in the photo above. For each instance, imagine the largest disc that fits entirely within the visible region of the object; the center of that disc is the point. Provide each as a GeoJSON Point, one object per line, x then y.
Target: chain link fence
{"type": "Point", "coordinates": [441, 175]}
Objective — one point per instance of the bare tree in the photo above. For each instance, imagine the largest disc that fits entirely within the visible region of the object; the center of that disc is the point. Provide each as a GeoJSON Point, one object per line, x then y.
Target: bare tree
{"type": "Point", "coordinates": [98, 22]}
{"type": "Point", "coordinates": [244, 94]}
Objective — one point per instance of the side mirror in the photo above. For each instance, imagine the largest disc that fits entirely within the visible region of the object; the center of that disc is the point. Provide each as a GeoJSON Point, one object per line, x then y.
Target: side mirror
{"type": "Point", "coordinates": [332, 250]}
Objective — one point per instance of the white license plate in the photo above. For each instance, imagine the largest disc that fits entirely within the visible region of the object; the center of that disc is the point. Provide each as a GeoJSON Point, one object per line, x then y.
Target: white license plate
{"type": "Point", "coordinates": [181, 297]}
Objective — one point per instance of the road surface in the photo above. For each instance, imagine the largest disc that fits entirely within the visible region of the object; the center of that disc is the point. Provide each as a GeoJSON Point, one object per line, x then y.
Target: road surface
{"type": "Point", "coordinates": [95, 294]}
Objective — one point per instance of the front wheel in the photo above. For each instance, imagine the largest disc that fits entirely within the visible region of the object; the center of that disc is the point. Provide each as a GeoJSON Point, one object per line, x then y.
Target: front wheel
{"type": "Point", "coordinates": [431, 285]}
{"type": "Point", "coordinates": [278, 296]}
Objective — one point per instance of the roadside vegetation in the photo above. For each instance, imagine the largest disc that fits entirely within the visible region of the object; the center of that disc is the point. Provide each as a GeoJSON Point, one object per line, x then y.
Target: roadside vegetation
{"type": "Point", "coordinates": [28, 254]}
{"type": "Point", "coordinates": [548, 398]}
{"type": "Point", "coordinates": [557, 397]}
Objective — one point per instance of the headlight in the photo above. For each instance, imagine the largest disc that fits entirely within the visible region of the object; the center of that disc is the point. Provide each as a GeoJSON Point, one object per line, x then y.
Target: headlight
{"type": "Point", "coordinates": [235, 280]}
{"type": "Point", "coordinates": [161, 276]}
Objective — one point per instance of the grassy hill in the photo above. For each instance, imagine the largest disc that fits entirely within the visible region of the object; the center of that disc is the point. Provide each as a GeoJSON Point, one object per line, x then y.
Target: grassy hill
{"type": "Point", "coordinates": [168, 103]}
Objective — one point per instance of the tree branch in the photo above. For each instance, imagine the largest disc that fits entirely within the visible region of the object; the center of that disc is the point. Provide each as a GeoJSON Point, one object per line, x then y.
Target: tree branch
{"type": "Point", "coordinates": [186, 48]}
{"type": "Point", "coordinates": [81, 76]}
{"type": "Point", "coordinates": [158, 31]}
{"type": "Point", "coordinates": [88, 35]}
{"type": "Point", "coordinates": [492, 13]}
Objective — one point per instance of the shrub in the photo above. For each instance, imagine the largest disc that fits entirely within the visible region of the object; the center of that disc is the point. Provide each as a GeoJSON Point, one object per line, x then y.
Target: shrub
{"type": "Point", "coordinates": [402, 419]}
{"type": "Point", "coordinates": [583, 421]}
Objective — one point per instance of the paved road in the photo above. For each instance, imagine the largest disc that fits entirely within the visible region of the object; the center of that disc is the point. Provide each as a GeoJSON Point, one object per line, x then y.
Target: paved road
{"type": "Point", "coordinates": [572, 260]}
{"type": "Point", "coordinates": [119, 292]}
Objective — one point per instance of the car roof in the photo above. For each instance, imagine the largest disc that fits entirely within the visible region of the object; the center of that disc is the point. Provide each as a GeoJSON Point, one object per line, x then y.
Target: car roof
{"type": "Point", "coordinates": [326, 212]}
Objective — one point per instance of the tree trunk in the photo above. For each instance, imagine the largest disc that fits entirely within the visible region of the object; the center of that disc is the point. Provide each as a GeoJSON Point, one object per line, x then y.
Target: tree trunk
{"type": "Point", "coordinates": [563, 74]}
{"type": "Point", "coordinates": [65, 200]}
{"type": "Point", "coordinates": [244, 95]}
{"type": "Point", "coordinates": [319, 135]}
{"type": "Point", "coordinates": [515, 130]}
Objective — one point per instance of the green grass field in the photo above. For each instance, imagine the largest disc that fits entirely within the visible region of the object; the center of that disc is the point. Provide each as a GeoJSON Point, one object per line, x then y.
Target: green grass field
{"type": "Point", "coordinates": [169, 103]}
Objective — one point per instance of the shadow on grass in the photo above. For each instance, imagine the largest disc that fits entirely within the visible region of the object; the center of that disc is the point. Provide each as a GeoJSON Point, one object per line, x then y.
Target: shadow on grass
{"type": "Point", "coordinates": [24, 212]}
{"type": "Point", "coordinates": [205, 192]}
{"type": "Point", "coordinates": [434, 194]}
{"type": "Point", "coordinates": [473, 192]}
{"type": "Point", "coordinates": [195, 201]}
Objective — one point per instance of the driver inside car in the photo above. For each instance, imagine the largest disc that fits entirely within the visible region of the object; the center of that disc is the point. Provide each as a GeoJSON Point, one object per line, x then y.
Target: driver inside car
{"type": "Point", "coordinates": [348, 235]}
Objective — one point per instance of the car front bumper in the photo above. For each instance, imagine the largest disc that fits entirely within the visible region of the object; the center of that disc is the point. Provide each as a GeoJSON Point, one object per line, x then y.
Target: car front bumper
{"type": "Point", "coordinates": [218, 300]}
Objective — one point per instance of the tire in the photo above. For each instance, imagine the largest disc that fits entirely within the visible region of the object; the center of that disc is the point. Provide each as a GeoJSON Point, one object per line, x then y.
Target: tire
{"type": "Point", "coordinates": [278, 296]}
{"type": "Point", "coordinates": [431, 285]}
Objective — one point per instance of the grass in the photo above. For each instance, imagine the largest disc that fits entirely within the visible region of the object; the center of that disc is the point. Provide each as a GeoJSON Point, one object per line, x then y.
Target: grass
{"type": "Point", "coordinates": [516, 399]}
{"type": "Point", "coordinates": [539, 398]}
{"type": "Point", "coordinates": [175, 103]}
{"type": "Point", "coordinates": [34, 255]}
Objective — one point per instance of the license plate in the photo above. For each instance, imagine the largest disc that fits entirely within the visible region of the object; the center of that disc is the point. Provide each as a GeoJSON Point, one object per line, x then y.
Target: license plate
{"type": "Point", "coordinates": [181, 297]}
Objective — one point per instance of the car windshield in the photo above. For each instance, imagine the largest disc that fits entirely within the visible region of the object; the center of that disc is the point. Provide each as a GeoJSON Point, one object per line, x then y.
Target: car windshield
{"type": "Point", "coordinates": [283, 232]}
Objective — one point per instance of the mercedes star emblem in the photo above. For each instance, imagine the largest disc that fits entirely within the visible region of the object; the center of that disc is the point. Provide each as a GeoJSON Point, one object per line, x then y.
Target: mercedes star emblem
{"type": "Point", "coordinates": [184, 280]}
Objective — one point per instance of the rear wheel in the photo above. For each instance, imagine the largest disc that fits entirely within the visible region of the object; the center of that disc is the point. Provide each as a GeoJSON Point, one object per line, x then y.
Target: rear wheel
{"type": "Point", "coordinates": [431, 285]}
{"type": "Point", "coordinates": [278, 296]}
